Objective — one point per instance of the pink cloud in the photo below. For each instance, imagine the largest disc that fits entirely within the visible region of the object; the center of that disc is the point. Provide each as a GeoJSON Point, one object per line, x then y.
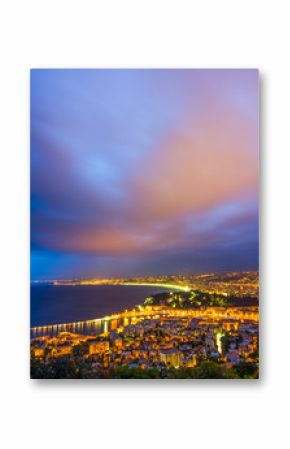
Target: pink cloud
{"type": "Point", "coordinates": [208, 161]}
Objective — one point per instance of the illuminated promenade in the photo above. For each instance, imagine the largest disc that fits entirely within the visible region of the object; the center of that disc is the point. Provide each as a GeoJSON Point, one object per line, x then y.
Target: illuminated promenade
{"type": "Point", "coordinates": [183, 288]}
{"type": "Point", "coordinates": [131, 316]}
{"type": "Point", "coordinates": [178, 287]}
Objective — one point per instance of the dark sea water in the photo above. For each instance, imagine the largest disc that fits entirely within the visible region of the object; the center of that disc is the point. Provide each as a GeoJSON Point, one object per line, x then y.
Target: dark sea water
{"type": "Point", "coordinates": [51, 304]}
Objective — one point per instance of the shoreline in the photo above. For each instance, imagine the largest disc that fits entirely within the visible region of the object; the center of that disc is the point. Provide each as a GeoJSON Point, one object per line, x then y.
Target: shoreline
{"type": "Point", "coordinates": [102, 317]}
{"type": "Point", "coordinates": [184, 288]}
{"type": "Point", "coordinates": [112, 315]}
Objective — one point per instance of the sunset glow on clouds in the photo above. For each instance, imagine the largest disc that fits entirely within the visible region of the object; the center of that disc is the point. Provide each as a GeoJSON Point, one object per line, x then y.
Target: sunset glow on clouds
{"type": "Point", "coordinates": [143, 171]}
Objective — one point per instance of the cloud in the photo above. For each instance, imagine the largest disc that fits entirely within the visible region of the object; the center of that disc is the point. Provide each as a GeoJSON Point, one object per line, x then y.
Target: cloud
{"type": "Point", "coordinates": [211, 160]}
{"type": "Point", "coordinates": [145, 163]}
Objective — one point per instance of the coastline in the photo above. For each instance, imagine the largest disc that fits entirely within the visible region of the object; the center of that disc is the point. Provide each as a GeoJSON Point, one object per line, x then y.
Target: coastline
{"type": "Point", "coordinates": [74, 296]}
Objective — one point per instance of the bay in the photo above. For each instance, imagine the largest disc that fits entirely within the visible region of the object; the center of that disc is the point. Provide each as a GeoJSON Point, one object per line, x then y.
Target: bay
{"type": "Point", "coordinates": [51, 304]}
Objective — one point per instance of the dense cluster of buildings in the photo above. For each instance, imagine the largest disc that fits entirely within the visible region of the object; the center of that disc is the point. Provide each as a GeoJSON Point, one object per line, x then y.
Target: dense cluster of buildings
{"type": "Point", "coordinates": [235, 284]}
{"type": "Point", "coordinates": [163, 341]}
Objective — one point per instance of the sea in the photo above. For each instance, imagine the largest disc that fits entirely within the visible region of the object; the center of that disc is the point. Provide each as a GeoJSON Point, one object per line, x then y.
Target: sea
{"type": "Point", "coordinates": [52, 304]}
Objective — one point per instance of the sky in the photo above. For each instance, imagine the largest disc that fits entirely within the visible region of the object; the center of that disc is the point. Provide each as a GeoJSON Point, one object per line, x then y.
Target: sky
{"type": "Point", "coordinates": [139, 172]}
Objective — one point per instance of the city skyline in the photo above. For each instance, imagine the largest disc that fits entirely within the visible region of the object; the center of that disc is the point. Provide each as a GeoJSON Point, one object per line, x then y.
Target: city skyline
{"type": "Point", "coordinates": [143, 172]}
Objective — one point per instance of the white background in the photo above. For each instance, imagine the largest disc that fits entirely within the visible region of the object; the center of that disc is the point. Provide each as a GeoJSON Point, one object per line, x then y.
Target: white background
{"type": "Point", "coordinates": [123, 33]}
